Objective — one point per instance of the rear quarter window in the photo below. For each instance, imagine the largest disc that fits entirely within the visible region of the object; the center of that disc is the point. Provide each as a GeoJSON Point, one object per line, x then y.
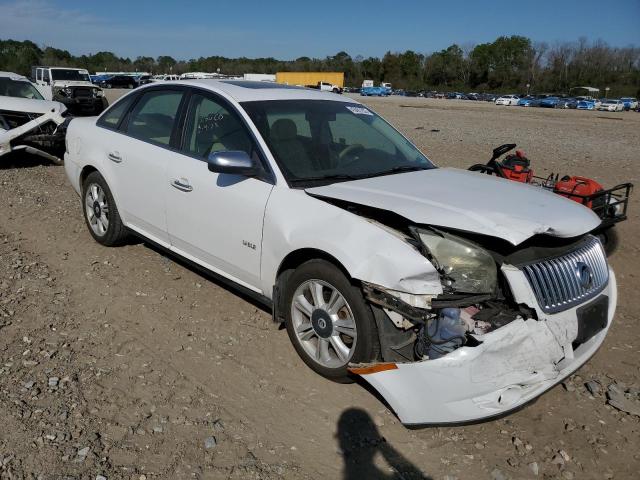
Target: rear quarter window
{"type": "Point", "coordinates": [114, 115]}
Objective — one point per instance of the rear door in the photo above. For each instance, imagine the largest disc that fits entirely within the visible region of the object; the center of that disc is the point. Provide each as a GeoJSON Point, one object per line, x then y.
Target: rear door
{"type": "Point", "coordinates": [137, 155]}
{"type": "Point", "coordinates": [216, 219]}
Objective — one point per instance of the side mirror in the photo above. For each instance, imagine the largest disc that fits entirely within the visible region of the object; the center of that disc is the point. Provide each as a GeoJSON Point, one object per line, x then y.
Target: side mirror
{"type": "Point", "coordinates": [233, 162]}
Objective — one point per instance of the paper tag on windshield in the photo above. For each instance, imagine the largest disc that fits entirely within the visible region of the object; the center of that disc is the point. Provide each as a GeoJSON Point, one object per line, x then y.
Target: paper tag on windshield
{"type": "Point", "coordinates": [359, 111]}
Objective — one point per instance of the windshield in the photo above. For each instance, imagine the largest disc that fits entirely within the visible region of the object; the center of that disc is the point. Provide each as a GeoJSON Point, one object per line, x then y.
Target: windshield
{"type": "Point", "coordinates": [69, 74]}
{"type": "Point", "coordinates": [20, 89]}
{"type": "Point", "coordinates": [322, 141]}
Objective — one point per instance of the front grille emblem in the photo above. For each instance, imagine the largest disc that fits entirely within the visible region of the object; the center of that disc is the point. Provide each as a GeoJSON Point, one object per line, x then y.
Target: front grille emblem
{"type": "Point", "coordinates": [585, 277]}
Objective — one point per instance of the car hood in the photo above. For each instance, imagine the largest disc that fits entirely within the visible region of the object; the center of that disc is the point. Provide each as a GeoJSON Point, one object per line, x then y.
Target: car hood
{"type": "Point", "coordinates": [468, 201]}
{"type": "Point", "coordinates": [73, 83]}
{"type": "Point", "coordinates": [16, 104]}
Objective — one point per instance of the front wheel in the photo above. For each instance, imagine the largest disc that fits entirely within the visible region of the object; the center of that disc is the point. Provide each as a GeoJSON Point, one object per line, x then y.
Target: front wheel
{"type": "Point", "coordinates": [100, 212]}
{"type": "Point", "coordinates": [328, 320]}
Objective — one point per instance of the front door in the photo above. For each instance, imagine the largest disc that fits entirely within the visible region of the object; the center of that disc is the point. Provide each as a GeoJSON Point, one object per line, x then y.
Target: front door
{"type": "Point", "coordinates": [216, 219]}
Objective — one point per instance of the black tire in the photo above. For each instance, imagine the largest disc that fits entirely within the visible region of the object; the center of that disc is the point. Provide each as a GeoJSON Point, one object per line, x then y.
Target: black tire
{"type": "Point", "coordinates": [610, 240]}
{"type": "Point", "coordinates": [367, 345]}
{"type": "Point", "coordinates": [116, 233]}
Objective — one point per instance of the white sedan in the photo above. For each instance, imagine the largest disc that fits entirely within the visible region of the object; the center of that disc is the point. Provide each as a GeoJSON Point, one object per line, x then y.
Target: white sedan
{"type": "Point", "coordinates": [458, 296]}
{"type": "Point", "coordinates": [507, 100]}
{"type": "Point", "coordinates": [611, 106]}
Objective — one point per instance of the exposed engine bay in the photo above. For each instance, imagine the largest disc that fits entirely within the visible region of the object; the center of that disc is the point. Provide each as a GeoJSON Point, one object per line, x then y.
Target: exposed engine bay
{"type": "Point", "coordinates": [476, 298]}
{"type": "Point", "coordinates": [40, 133]}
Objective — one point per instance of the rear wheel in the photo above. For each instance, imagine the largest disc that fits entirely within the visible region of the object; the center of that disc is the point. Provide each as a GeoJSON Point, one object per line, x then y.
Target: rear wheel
{"type": "Point", "coordinates": [328, 320]}
{"type": "Point", "coordinates": [100, 212]}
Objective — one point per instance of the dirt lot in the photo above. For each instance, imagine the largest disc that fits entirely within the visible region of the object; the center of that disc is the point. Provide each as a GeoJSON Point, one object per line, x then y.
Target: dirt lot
{"type": "Point", "coordinates": [123, 363]}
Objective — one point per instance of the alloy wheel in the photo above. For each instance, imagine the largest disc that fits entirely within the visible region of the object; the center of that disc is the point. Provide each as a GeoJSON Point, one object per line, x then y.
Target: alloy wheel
{"type": "Point", "coordinates": [323, 323]}
{"type": "Point", "coordinates": [97, 209]}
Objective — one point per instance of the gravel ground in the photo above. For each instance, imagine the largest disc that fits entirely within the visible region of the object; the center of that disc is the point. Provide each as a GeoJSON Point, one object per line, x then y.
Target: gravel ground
{"type": "Point", "coordinates": [123, 363]}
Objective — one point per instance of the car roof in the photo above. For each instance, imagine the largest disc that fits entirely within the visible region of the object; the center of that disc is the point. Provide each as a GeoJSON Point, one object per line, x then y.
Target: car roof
{"type": "Point", "coordinates": [14, 76]}
{"type": "Point", "coordinates": [61, 68]}
{"type": "Point", "coordinates": [247, 90]}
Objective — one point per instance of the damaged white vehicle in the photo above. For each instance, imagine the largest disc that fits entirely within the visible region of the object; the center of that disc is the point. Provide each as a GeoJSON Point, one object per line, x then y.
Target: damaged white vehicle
{"type": "Point", "coordinates": [457, 296]}
{"type": "Point", "coordinates": [28, 122]}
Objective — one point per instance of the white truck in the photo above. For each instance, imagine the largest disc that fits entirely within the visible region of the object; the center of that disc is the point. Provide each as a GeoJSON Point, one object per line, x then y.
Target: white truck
{"type": "Point", "coordinates": [70, 86]}
{"type": "Point", "coordinates": [326, 87]}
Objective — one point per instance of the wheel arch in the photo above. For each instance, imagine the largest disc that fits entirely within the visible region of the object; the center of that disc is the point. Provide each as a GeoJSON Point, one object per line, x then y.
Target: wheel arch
{"type": "Point", "coordinates": [85, 172]}
{"type": "Point", "coordinates": [297, 257]}
{"type": "Point", "coordinates": [292, 261]}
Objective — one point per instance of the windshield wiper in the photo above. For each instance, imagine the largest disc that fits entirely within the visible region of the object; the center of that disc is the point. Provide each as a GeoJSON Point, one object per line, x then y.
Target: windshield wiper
{"type": "Point", "coordinates": [327, 178]}
{"type": "Point", "coordinates": [398, 169]}
{"type": "Point", "coordinates": [344, 177]}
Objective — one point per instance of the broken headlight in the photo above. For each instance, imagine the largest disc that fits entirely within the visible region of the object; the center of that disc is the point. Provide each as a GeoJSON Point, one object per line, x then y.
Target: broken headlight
{"type": "Point", "coordinates": [65, 92]}
{"type": "Point", "coordinates": [464, 266]}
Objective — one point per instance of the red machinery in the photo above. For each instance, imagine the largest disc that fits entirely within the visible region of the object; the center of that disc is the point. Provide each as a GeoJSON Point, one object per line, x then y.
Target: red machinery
{"type": "Point", "coordinates": [609, 204]}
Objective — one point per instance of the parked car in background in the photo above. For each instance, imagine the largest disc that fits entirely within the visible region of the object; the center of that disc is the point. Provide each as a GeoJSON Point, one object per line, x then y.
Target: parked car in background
{"type": "Point", "coordinates": [97, 79]}
{"type": "Point", "coordinates": [568, 102]}
{"type": "Point", "coordinates": [587, 103]}
{"type": "Point", "coordinates": [454, 307]}
{"type": "Point", "coordinates": [550, 102]}
{"type": "Point", "coordinates": [165, 78]}
{"type": "Point", "coordinates": [507, 100]}
{"type": "Point", "coordinates": [28, 122]}
{"type": "Point", "coordinates": [611, 105]}
{"type": "Point", "coordinates": [374, 92]}
{"type": "Point", "coordinates": [143, 79]}
{"type": "Point", "coordinates": [630, 103]}
{"type": "Point", "coordinates": [70, 86]}
{"type": "Point", "coordinates": [119, 81]}
{"type": "Point", "coordinates": [488, 97]}
{"type": "Point", "coordinates": [388, 86]}
{"type": "Point", "coordinates": [18, 86]}
{"type": "Point", "coordinates": [529, 101]}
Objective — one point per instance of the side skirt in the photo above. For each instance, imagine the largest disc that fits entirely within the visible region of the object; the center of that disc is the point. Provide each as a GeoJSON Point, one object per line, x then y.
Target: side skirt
{"type": "Point", "coordinates": [243, 291]}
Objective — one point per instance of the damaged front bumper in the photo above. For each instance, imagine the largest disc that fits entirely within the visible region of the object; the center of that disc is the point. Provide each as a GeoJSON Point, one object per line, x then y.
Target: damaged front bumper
{"type": "Point", "coordinates": [511, 366]}
{"type": "Point", "coordinates": [41, 134]}
{"type": "Point", "coordinates": [84, 106]}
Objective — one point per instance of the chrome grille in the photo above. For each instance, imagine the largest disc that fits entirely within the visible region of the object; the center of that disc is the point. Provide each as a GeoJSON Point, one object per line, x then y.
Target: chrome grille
{"type": "Point", "coordinates": [562, 282]}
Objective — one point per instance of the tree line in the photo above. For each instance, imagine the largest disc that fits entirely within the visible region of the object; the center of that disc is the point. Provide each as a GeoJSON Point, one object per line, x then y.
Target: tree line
{"type": "Point", "coordinates": [507, 64]}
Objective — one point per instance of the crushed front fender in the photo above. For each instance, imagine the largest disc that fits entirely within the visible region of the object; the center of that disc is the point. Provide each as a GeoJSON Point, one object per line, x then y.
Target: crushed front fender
{"type": "Point", "coordinates": [512, 366]}
{"type": "Point", "coordinates": [36, 126]}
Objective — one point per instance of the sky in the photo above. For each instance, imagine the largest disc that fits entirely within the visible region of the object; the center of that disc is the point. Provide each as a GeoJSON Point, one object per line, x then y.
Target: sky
{"type": "Point", "coordinates": [315, 28]}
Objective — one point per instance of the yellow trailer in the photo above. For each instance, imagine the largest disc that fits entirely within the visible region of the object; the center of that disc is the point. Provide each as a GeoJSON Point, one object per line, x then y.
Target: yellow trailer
{"type": "Point", "coordinates": [310, 78]}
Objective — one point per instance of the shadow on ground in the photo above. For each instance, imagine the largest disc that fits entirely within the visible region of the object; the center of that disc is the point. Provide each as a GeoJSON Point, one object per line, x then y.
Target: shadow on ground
{"type": "Point", "coordinates": [23, 160]}
{"type": "Point", "coordinates": [360, 443]}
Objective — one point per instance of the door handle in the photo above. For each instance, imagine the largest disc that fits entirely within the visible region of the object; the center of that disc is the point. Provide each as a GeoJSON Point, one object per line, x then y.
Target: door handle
{"type": "Point", "coordinates": [182, 184]}
{"type": "Point", "coordinates": [114, 157]}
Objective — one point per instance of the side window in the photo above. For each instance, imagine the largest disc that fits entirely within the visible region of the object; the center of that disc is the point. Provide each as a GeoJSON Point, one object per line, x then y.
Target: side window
{"type": "Point", "coordinates": [111, 118]}
{"type": "Point", "coordinates": [153, 116]}
{"type": "Point", "coordinates": [45, 75]}
{"type": "Point", "coordinates": [39, 74]}
{"type": "Point", "coordinates": [211, 127]}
